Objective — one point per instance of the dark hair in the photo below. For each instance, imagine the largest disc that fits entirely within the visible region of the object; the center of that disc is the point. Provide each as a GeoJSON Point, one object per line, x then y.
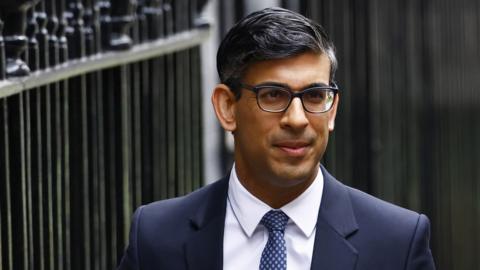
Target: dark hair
{"type": "Point", "coordinates": [271, 33]}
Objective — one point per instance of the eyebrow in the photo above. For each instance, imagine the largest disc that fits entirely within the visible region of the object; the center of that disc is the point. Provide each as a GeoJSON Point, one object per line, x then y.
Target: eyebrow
{"type": "Point", "coordinates": [272, 83]}
{"type": "Point", "coordinates": [317, 84]}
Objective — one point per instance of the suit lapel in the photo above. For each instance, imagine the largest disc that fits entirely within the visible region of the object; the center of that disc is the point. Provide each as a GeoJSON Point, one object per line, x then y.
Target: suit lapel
{"type": "Point", "coordinates": [332, 251]}
{"type": "Point", "coordinates": [204, 249]}
{"type": "Point", "coordinates": [336, 222]}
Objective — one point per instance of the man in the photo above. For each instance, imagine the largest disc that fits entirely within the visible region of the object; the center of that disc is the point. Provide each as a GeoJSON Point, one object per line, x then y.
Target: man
{"type": "Point", "coordinates": [278, 208]}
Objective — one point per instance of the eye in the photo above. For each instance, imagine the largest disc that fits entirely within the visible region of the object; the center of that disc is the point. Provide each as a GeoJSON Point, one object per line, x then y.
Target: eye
{"type": "Point", "coordinates": [316, 95]}
{"type": "Point", "coordinates": [273, 94]}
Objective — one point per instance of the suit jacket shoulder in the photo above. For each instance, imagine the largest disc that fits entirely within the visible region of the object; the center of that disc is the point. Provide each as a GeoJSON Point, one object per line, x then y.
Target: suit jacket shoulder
{"type": "Point", "coordinates": [380, 235]}
{"type": "Point", "coordinates": [181, 208]}
{"type": "Point", "coordinates": [371, 210]}
{"type": "Point", "coordinates": [160, 231]}
{"type": "Point", "coordinates": [398, 234]}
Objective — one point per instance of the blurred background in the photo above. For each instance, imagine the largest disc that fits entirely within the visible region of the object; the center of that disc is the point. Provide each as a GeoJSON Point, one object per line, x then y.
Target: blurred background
{"type": "Point", "coordinates": [105, 105]}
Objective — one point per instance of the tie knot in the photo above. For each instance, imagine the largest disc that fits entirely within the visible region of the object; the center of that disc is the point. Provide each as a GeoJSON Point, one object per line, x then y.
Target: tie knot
{"type": "Point", "coordinates": [275, 220]}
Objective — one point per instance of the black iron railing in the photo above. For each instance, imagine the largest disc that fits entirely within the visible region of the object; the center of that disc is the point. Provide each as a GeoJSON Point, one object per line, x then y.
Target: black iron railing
{"type": "Point", "coordinates": [99, 113]}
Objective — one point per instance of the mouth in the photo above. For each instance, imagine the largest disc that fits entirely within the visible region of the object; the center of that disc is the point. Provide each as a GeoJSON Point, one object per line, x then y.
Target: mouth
{"type": "Point", "coordinates": [293, 148]}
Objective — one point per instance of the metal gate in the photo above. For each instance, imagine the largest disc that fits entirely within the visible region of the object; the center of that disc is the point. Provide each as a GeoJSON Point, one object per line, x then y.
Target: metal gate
{"type": "Point", "coordinates": [100, 112]}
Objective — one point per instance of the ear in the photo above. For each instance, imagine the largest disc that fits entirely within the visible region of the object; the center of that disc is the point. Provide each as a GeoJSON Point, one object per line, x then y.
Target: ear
{"type": "Point", "coordinates": [333, 113]}
{"type": "Point", "coordinates": [224, 102]}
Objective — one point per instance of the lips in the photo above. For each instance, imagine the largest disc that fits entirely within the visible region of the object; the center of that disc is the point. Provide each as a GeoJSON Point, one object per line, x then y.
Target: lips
{"type": "Point", "coordinates": [293, 148]}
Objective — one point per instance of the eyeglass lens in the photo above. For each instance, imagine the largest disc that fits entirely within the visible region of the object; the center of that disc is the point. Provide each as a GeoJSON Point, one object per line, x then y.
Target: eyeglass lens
{"type": "Point", "coordinates": [276, 99]}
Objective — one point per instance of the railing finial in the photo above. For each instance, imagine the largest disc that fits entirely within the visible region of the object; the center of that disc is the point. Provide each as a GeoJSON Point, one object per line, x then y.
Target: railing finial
{"type": "Point", "coordinates": [13, 13]}
{"type": "Point", "coordinates": [122, 13]}
{"type": "Point", "coordinates": [2, 53]}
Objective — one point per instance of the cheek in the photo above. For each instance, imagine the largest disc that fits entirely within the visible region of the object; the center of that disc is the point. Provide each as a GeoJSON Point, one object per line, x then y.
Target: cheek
{"type": "Point", "coordinates": [322, 132]}
{"type": "Point", "coordinates": [254, 130]}
{"type": "Point", "coordinates": [253, 133]}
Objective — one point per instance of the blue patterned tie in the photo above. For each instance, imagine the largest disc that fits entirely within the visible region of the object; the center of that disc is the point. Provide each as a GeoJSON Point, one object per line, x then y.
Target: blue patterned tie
{"type": "Point", "coordinates": [274, 255]}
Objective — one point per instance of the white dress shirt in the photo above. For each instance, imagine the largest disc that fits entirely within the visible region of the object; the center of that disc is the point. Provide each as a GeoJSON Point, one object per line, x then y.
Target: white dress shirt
{"type": "Point", "coordinates": [244, 236]}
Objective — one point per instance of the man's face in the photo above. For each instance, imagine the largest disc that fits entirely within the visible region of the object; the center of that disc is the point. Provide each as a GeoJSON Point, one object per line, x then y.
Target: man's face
{"type": "Point", "coordinates": [281, 150]}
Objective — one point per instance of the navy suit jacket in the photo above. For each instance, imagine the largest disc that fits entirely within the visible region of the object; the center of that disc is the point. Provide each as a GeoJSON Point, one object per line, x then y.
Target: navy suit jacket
{"type": "Point", "coordinates": [354, 231]}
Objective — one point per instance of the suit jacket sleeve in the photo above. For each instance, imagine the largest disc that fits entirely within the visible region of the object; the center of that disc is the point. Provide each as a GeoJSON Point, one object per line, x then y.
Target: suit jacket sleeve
{"type": "Point", "coordinates": [420, 256]}
{"type": "Point", "coordinates": [130, 257]}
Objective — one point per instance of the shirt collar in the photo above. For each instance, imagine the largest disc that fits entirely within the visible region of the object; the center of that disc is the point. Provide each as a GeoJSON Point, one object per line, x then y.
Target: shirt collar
{"type": "Point", "coordinates": [249, 210]}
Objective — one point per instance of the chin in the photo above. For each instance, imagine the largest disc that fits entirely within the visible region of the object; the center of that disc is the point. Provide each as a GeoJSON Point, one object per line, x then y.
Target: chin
{"type": "Point", "coordinates": [292, 175]}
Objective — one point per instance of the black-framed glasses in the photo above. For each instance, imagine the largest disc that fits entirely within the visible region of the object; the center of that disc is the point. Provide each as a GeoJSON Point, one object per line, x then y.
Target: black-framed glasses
{"type": "Point", "coordinates": [277, 97]}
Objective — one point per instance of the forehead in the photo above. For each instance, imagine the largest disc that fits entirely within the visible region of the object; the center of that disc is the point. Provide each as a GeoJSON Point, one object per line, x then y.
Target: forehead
{"type": "Point", "coordinates": [296, 71]}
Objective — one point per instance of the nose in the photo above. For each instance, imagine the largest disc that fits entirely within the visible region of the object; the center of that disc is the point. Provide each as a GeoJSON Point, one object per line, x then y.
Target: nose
{"type": "Point", "coordinates": [294, 117]}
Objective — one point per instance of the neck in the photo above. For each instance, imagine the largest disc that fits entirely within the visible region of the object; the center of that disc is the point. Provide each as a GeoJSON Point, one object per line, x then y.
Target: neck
{"type": "Point", "coordinates": [271, 194]}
